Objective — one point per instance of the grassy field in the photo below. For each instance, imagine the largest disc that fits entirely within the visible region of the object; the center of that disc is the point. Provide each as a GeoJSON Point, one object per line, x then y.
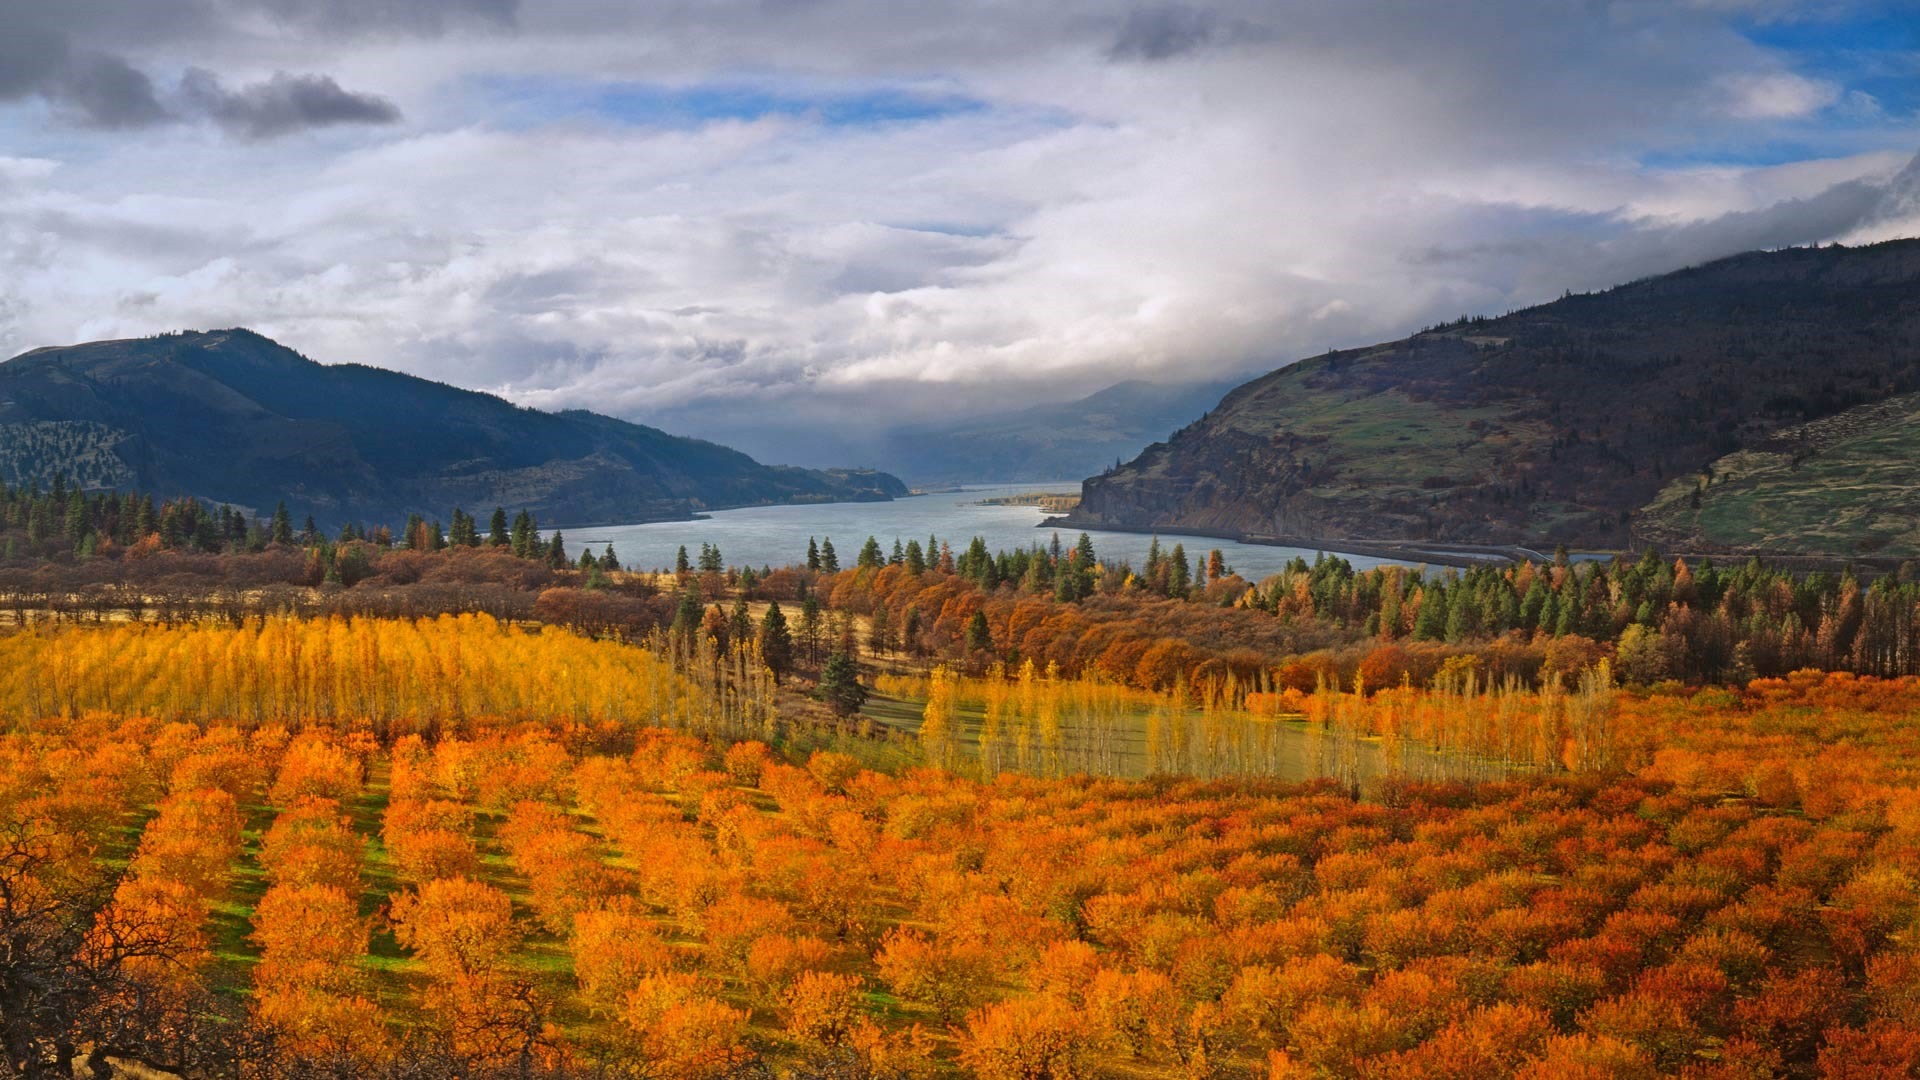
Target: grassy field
{"type": "Point", "coordinates": [1848, 485]}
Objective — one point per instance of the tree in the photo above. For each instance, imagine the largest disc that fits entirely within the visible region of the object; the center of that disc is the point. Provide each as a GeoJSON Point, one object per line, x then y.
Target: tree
{"type": "Point", "coordinates": [812, 629]}
{"type": "Point", "coordinates": [776, 643]}
{"type": "Point", "coordinates": [870, 555]}
{"type": "Point", "coordinates": [813, 554]}
{"type": "Point", "coordinates": [681, 564]}
{"type": "Point", "coordinates": [282, 531]}
{"type": "Point", "coordinates": [840, 685]}
{"type": "Point", "coordinates": [880, 631]}
{"type": "Point", "coordinates": [459, 928]}
{"type": "Point", "coordinates": [497, 534]}
{"type": "Point", "coordinates": [829, 560]}
{"type": "Point", "coordinates": [979, 635]}
{"type": "Point", "coordinates": [740, 624]}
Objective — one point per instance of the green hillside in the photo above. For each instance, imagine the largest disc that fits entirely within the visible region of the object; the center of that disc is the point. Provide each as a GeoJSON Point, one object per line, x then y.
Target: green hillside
{"type": "Point", "coordinates": [1560, 423]}
{"type": "Point", "coordinates": [1845, 485]}
{"type": "Point", "coordinates": [231, 416]}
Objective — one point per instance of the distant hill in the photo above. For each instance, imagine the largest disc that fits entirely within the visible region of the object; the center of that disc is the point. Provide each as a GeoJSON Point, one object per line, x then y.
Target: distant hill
{"type": "Point", "coordinates": [1051, 441]}
{"type": "Point", "coordinates": [231, 416]}
{"type": "Point", "coordinates": [1581, 421]}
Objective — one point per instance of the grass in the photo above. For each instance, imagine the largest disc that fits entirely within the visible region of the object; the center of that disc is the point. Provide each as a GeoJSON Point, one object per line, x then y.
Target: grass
{"type": "Point", "coordinates": [1845, 486]}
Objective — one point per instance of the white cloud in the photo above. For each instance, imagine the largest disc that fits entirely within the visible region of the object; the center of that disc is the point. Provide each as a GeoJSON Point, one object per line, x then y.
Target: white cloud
{"type": "Point", "coordinates": [1777, 96]}
{"type": "Point", "coordinates": [1106, 201]}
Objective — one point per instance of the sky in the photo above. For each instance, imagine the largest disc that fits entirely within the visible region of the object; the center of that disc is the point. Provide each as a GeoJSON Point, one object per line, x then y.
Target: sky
{"type": "Point", "coordinates": [784, 224]}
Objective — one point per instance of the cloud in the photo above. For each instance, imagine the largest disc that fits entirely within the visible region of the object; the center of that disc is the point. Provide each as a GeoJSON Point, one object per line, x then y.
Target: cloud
{"type": "Point", "coordinates": [1161, 33]}
{"type": "Point", "coordinates": [93, 88]}
{"type": "Point", "coordinates": [283, 104]}
{"type": "Point", "coordinates": [1777, 96]}
{"type": "Point", "coordinates": [751, 220]}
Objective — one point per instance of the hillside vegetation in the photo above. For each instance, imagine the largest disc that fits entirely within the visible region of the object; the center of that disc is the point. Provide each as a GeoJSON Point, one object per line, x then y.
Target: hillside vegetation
{"type": "Point", "coordinates": [1562, 423]}
{"type": "Point", "coordinates": [233, 417]}
{"type": "Point", "coordinates": [1847, 484]}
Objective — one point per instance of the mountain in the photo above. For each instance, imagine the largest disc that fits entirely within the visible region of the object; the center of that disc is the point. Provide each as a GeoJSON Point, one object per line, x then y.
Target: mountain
{"type": "Point", "coordinates": [1050, 441]}
{"type": "Point", "coordinates": [1580, 422]}
{"type": "Point", "coordinates": [231, 416]}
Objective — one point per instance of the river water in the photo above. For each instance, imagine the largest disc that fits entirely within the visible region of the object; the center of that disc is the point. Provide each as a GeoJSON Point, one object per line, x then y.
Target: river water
{"type": "Point", "coordinates": [777, 535]}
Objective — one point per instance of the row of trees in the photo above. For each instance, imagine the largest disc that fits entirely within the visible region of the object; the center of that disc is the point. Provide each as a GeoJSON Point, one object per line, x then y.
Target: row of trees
{"type": "Point", "coordinates": [61, 522]}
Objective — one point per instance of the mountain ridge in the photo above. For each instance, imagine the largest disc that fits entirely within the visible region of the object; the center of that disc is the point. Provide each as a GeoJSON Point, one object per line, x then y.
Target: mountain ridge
{"type": "Point", "coordinates": [1558, 423]}
{"type": "Point", "coordinates": [235, 417]}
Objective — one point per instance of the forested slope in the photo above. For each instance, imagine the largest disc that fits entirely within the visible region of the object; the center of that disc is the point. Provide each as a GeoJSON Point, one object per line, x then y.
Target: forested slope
{"type": "Point", "coordinates": [231, 416]}
{"type": "Point", "coordinates": [1557, 423]}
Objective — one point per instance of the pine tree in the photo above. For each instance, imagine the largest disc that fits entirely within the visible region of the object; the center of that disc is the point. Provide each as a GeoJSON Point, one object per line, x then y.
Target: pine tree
{"type": "Point", "coordinates": [608, 560]}
{"type": "Point", "coordinates": [840, 685]}
{"type": "Point", "coordinates": [870, 556]}
{"type": "Point", "coordinates": [686, 617]}
{"type": "Point", "coordinates": [979, 635]}
{"type": "Point", "coordinates": [557, 552]}
{"type": "Point", "coordinates": [813, 554]}
{"type": "Point", "coordinates": [497, 535]}
{"type": "Point", "coordinates": [829, 560]}
{"type": "Point", "coordinates": [740, 626]}
{"type": "Point", "coordinates": [681, 564]}
{"type": "Point", "coordinates": [776, 644]}
{"type": "Point", "coordinates": [812, 629]}
{"type": "Point", "coordinates": [282, 525]}
{"type": "Point", "coordinates": [916, 559]}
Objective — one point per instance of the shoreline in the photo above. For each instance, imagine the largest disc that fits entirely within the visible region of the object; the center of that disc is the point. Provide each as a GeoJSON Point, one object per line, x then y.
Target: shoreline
{"type": "Point", "coordinates": [1459, 556]}
{"type": "Point", "coordinates": [1467, 556]}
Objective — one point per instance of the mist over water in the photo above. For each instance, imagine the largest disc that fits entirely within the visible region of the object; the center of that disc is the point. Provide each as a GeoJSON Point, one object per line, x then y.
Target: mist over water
{"type": "Point", "coordinates": [777, 535]}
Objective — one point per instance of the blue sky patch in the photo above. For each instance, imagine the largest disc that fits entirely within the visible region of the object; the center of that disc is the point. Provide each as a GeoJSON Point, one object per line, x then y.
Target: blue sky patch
{"type": "Point", "coordinates": [530, 101]}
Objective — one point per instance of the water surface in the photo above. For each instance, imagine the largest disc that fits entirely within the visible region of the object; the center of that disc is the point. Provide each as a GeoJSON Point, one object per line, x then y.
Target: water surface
{"type": "Point", "coordinates": [777, 535]}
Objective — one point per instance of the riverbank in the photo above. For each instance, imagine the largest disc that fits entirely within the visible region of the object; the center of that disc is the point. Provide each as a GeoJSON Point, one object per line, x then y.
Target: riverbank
{"type": "Point", "coordinates": [1461, 556]}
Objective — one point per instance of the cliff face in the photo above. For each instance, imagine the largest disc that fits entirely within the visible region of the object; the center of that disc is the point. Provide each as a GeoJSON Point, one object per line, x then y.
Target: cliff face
{"type": "Point", "coordinates": [233, 417]}
{"type": "Point", "coordinates": [1556, 424]}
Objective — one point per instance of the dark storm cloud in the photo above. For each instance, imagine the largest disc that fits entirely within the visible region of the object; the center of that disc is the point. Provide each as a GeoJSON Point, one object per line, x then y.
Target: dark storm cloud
{"type": "Point", "coordinates": [74, 55]}
{"type": "Point", "coordinates": [1161, 33]}
{"type": "Point", "coordinates": [283, 104]}
{"type": "Point", "coordinates": [410, 16]}
{"type": "Point", "coordinates": [94, 88]}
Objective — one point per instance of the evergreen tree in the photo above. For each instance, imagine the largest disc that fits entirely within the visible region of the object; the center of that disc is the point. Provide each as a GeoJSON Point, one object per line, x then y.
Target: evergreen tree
{"type": "Point", "coordinates": [686, 617]}
{"type": "Point", "coordinates": [979, 635]}
{"type": "Point", "coordinates": [282, 532]}
{"type": "Point", "coordinates": [813, 554]}
{"type": "Point", "coordinates": [681, 564]}
{"type": "Point", "coordinates": [870, 557]}
{"type": "Point", "coordinates": [776, 644]}
{"type": "Point", "coordinates": [1180, 574]}
{"type": "Point", "coordinates": [79, 521]}
{"type": "Point", "coordinates": [880, 631]}
{"type": "Point", "coordinates": [812, 629]}
{"type": "Point", "coordinates": [840, 685]}
{"type": "Point", "coordinates": [557, 552]}
{"type": "Point", "coordinates": [497, 534]}
{"type": "Point", "coordinates": [608, 560]}
{"type": "Point", "coordinates": [829, 560]}
{"type": "Point", "coordinates": [525, 536]}
{"type": "Point", "coordinates": [916, 559]}
{"type": "Point", "coordinates": [740, 626]}
{"type": "Point", "coordinates": [910, 631]}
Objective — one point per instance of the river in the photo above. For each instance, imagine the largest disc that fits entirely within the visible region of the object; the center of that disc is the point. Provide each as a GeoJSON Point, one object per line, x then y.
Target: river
{"type": "Point", "coordinates": [777, 535]}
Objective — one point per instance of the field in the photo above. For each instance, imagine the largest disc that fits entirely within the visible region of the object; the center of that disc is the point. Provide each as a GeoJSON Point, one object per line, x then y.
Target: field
{"type": "Point", "coordinates": [617, 873]}
{"type": "Point", "coordinates": [1844, 485]}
